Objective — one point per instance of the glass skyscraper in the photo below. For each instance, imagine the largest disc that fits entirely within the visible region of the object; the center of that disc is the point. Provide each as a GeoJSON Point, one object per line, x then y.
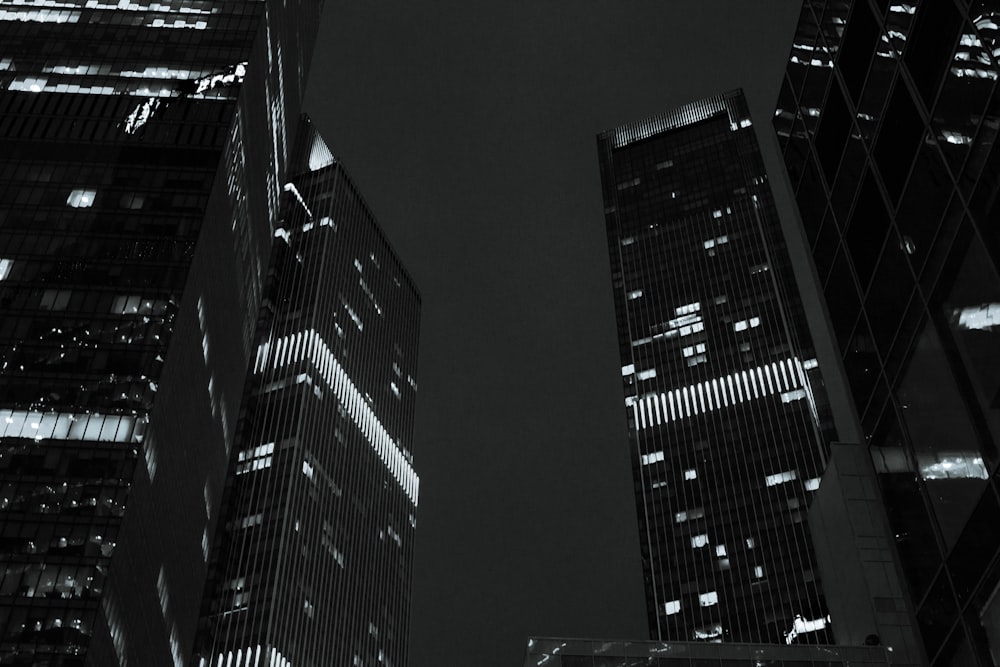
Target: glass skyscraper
{"type": "Point", "coordinates": [315, 549]}
{"type": "Point", "coordinates": [144, 148]}
{"type": "Point", "coordinates": [888, 118]}
{"type": "Point", "coordinates": [727, 424]}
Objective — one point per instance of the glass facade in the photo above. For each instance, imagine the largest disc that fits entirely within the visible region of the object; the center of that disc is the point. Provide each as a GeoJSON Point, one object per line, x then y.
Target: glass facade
{"type": "Point", "coordinates": [142, 148]}
{"type": "Point", "coordinates": [315, 548]}
{"type": "Point", "coordinates": [728, 425]}
{"type": "Point", "coordinates": [887, 119]}
{"type": "Point", "coordinates": [616, 653]}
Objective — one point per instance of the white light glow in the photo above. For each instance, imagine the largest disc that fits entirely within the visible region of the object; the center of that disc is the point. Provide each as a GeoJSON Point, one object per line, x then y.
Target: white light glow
{"type": "Point", "coordinates": [81, 198]}
{"type": "Point", "coordinates": [5, 266]}
{"type": "Point", "coordinates": [672, 607]}
{"type": "Point", "coordinates": [719, 393]}
{"type": "Point", "coordinates": [801, 625]}
{"type": "Point", "coordinates": [780, 478]}
{"type": "Point", "coordinates": [70, 426]}
{"type": "Point", "coordinates": [314, 349]}
{"type": "Point", "coordinates": [983, 317]}
{"type": "Point", "coordinates": [708, 599]}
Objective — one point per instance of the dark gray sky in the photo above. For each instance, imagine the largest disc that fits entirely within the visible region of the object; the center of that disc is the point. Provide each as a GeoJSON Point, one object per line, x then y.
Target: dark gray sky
{"type": "Point", "coordinates": [470, 128]}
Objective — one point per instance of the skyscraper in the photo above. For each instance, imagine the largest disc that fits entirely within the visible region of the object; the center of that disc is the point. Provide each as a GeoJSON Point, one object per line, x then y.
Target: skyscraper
{"type": "Point", "coordinates": [725, 409]}
{"type": "Point", "coordinates": [888, 118]}
{"type": "Point", "coordinates": [314, 557]}
{"type": "Point", "coordinates": [143, 146]}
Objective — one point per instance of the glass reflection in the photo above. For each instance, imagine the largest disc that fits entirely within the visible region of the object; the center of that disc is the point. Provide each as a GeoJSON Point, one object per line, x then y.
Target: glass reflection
{"type": "Point", "coordinates": [940, 429]}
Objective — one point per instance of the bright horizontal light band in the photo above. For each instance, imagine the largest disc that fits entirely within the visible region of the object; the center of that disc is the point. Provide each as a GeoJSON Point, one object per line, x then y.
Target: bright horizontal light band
{"type": "Point", "coordinates": [785, 378]}
{"type": "Point", "coordinates": [310, 346]}
{"type": "Point", "coordinates": [69, 426]}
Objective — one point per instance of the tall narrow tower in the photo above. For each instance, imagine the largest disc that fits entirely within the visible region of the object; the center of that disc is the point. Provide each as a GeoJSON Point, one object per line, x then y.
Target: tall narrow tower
{"type": "Point", "coordinates": [313, 561]}
{"type": "Point", "coordinates": [721, 392]}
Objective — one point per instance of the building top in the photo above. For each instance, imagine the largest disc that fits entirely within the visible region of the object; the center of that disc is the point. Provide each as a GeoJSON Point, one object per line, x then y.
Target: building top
{"type": "Point", "coordinates": [732, 102]}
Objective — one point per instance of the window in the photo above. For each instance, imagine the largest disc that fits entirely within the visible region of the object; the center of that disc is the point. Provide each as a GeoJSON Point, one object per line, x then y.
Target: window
{"type": "Point", "coordinates": [672, 607]}
{"type": "Point", "coordinates": [708, 599]}
{"type": "Point", "coordinates": [81, 198]}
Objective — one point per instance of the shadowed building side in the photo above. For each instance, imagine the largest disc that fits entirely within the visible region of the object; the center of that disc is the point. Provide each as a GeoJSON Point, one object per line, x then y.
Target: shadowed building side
{"type": "Point", "coordinates": [314, 555]}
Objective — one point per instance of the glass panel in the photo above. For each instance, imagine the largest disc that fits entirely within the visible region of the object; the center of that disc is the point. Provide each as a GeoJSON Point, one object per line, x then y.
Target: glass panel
{"type": "Point", "coordinates": [898, 141]}
{"type": "Point", "coordinates": [941, 434]}
{"type": "Point", "coordinates": [889, 293]}
{"type": "Point", "coordinates": [930, 46]}
{"type": "Point", "coordinates": [803, 48]}
{"type": "Point", "coordinates": [858, 48]}
{"type": "Point", "coordinates": [987, 634]}
{"type": "Point", "coordinates": [812, 200]}
{"type": "Point", "coordinates": [972, 310]}
{"type": "Point", "coordinates": [867, 230]}
{"type": "Point", "coordinates": [967, 88]}
{"type": "Point", "coordinates": [937, 615]}
{"type": "Point", "coordinates": [842, 299]}
{"type": "Point", "coordinates": [976, 548]}
{"type": "Point", "coordinates": [834, 126]}
{"type": "Point", "coordinates": [957, 652]}
{"type": "Point", "coordinates": [862, 365]}
{"type": "Point", "coordinates": [923, 204]}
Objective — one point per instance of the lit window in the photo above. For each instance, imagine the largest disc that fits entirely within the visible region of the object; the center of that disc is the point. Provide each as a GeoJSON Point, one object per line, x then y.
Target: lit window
{"type": "Point", "coordinates": [780, 478]}
{"type": "Point", "coordinates": [646, 374]}
{"type": "Point", "coordinates": [629, 184]}
{"type": "Point", "coordinates": [754, 321]}
{"type": "Point", "coordinates": [812, 484]}
{"type": "Point", "coordinates": [628, 370]}
{"type": "Point", "coordinates": [717, 214]}
{"type": "Point", "coordinates": [720, 550]}
{"type": "Point", "coordinates": [634, 294]}
{"type": "Point", "coordinates": [750, 543]}
{"type": "Point", "coordinates": [699, 541]}
{"type": "Point", "coordinates": [672, 607]}
{"type": "Point", "coordinates": [5, 265]}
{"type": "Point", "coordinates": [307, 469]}
{"type": "Point", "coordinates": [740, 326]}
{"type": "Point", "coordinates": [708, 599]}
{"type": "Point", "coordinates": [664, 164]}
{"type": "Point", "coordinates": [794, 395]}
{"type": "Point", "coordinates": [758, 571]}
{"type": "Point", "coordinates": [655, 457]}
{"type": "Point", "coordinates": [690, 474]}
{"type": "Point", "coordinates": [81, 198]}
{"type": "Point", "coordinates": [689, 308]}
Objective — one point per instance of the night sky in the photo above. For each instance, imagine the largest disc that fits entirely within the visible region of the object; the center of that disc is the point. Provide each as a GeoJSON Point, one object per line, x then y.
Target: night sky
{"type": "Point", "coordinates": [470, 128]}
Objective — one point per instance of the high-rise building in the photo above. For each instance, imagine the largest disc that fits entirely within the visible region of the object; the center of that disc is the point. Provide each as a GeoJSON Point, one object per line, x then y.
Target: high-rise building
{"type": "Point", "coordinates": [726, 414]}
{"type": "Point", "coordinates": [143, 149]}
{"type": "Point", "coordinates": [553, 652]}
{"type": "Point", "coordinates": [888, 118]}
{"type": "Point", "coordinates": [315, 551]}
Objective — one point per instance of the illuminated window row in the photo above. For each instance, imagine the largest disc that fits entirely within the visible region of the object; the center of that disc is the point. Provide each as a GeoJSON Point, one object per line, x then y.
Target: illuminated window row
{"type": "Point", "coordinates": [718, 393]}
{"type": "Point", "coordinates": [69, 426]}
{"type": "Point", "coordinates": [253, 655]}
{"type": "Point", "coordinates": [308, 345]}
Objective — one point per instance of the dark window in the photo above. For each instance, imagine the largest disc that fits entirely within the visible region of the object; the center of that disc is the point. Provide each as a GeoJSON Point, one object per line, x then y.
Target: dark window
{"type": "Point", "coordinates": [834, 126]}
{"type": "Point", "coordinates": [929, 48]}
{"type": "Point", "coordinates": [867, 230]}
{"type": "Point", "coordinates": [858, 48]}
{"type": "Point", "coordinates": [812, 200]}
{"type": "Point", "coordinates": [937, 614]}
{"type": "Point", "coordinates": [842, 299]}
{"type": "Point", "coordinates": [898, 140]}
{"type": "Point", "coordinates": [976, 547]}
{"type": "Point", "coordinates": [923, 204]}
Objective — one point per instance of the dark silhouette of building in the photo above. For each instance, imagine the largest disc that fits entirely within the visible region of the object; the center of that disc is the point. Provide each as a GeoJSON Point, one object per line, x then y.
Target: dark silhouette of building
{"type": "Point", "coordinates": [887, 119]}
{"type": "Point", "coordinates": [144, 159]}
{"type": "Point", "coordinates": [726, 413]}
{"type": "Point", "coordinates": [314, 557]}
